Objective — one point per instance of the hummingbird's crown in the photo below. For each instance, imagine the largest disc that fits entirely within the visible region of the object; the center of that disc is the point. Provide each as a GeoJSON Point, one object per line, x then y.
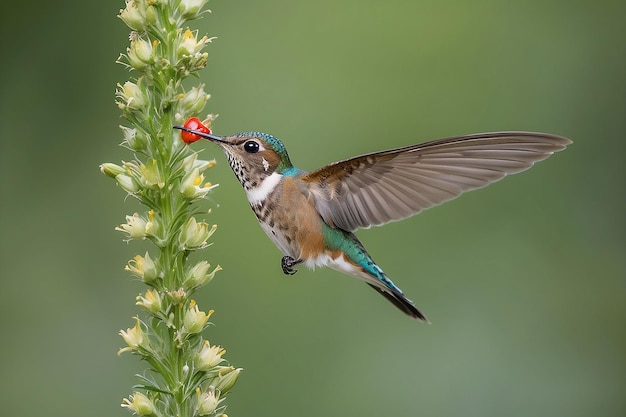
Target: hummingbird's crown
{"type": "Point", "coordinates": [273, 141]}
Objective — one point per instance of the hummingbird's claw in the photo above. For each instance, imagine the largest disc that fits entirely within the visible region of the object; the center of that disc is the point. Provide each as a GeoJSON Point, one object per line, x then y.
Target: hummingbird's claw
{"type": "Point", "coordinates": [287, 263]}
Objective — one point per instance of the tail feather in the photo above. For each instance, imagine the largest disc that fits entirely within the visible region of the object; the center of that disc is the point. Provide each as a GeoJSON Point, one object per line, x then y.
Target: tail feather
{"type": "Point", "coordinates": [403, 303]}
{"type": "Point", "coordinates": [355, 261]}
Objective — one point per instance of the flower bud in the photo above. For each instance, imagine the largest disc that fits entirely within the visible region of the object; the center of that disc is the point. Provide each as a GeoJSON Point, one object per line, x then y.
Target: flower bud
{"type": "Point", "coordinates": [134, 338]}
{"type": "Point", "coordinates": [134, 139]}
{"type": "Point", "coordinates": [131, 96]}
{"type": "Point", "coordinates": [127, 183]}
{"type": "Point", "coordinates": [111, 170]}
{"type": "Point", "coordinates": [209, 356]}
{"type": "Point", "coordinates": [151, 301]}
{"type": "Point", "coordinates": [143, 267]}
{"type": "Point", "coordinates": [192, 187]}
{"type": "Point", "coordinates": [191, 8]}
{"type": "Point", "coordinates": [227, 377]}
{"type": "Point", "coordinates": [154, 228]}
{"type": "Point", "coordinates": [139, 404]}
{"type": "Point", "coordinates": [190, 45]}
{"type": "Point", "coordinates": [150, 175]}
{"type": "Point", "coordinates": [140, 53]}
{"type": "Point", "coordinates": [178, 296]}
{"type": "Point", "coordinates": [195, 234]}
{"type": "Point", "coordinates": [151, 13]}
{"type": "Point", "coordinates": [195, 320]}
{"type": "Point", "coordinates": [207, 401]}
{"type": "Point", "coordinates": [194, 100]}
{"type": "Point", "coordinates": [135, 226]}
{"type": "Point", "coordinates": [134, 15]}
{"type": "Point", "coordinates": [199, 274]}
{"type": "Point", "coordinates": [190, 182]}
{"type": "Point", "coordinates": [190, 162]}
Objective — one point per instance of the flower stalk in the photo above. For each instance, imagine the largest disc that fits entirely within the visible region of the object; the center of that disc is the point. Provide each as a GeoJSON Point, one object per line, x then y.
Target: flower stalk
{"type": "Point", "coordinates": [187, 375]}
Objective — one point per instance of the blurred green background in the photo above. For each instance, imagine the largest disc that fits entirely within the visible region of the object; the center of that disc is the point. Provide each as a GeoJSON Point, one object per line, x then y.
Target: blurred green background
{"type": "Point", "coordinates": [524, 281]}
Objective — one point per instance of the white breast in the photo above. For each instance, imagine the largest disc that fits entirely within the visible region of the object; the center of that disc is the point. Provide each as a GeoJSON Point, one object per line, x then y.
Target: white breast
{"type": "Point", "coordinates": [258, 194]}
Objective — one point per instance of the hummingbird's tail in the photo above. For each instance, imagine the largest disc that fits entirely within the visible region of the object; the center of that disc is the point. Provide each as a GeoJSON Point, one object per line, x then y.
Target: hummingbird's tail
{"type": "Point", "coordinates": [357, 262]}
{"type": "Point", "coordinates": [403, 303]}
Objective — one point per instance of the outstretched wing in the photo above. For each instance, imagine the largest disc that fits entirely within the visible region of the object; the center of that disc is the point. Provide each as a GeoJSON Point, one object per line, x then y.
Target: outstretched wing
{"type": "Point", "coordinates": [380, 187]}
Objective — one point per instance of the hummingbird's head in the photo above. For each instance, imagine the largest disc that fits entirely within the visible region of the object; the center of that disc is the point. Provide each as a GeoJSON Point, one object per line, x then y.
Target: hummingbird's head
{"type": "Point", "coordinates": [253, 156]}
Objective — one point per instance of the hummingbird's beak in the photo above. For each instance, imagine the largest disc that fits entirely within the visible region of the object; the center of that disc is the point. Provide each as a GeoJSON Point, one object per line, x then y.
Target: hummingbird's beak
{"type": "Point", "coordinates": [201, 134]}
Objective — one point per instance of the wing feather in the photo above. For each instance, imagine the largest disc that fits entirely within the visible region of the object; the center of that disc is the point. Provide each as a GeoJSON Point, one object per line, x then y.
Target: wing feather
{"type": "Point", "coordinates": [377, 188]}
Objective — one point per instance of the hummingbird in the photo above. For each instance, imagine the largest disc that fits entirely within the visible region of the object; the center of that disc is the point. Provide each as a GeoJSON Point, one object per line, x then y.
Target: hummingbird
{"type": "Point", "coordinates": [312, 216]}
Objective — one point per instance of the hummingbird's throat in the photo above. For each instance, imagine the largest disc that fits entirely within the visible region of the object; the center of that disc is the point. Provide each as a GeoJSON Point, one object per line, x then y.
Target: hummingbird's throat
{"type": "Point", "coordinates": [258, 194]}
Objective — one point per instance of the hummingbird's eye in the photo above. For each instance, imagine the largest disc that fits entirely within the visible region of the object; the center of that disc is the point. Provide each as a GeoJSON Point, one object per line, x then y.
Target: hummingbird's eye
{"type": "Point", "coordinates": [251, 146]}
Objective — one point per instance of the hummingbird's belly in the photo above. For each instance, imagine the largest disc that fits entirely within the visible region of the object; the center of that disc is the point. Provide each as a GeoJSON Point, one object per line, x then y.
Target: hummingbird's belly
{"type": "Point", "coordinates": [295, 233]}
{"type": "Point", "coordinates": [283, 241]}
{"type": "Point", "coordinates": [291, 222]}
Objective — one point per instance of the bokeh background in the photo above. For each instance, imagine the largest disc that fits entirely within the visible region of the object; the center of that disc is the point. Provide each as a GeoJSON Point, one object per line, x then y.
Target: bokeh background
{"type": "Point", "coordinates": [524, 281]}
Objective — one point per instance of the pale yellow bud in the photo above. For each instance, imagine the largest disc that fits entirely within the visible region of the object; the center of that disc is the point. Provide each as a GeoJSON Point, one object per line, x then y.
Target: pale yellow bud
{"type": "Point", "coordinates": [195, 320]}
{"type": "Point", "coordinates": [209, 356]}
{"type": "Point", "coordinates": [111, 170]}
{"type": "Point", "coordinates": [227, 377]}
{"type": "Point", "coordinates": [130, 95]}
{"type": "Point", "coordinates": [207, 401]}
{"type": "Point", "coordinates": [194, 100]}
{"type": "Point", "coordinates": [199, 274]}
{"type": "Point", "coordinates": [150, 174]}
{"type": "Point", "coordinates": [134, 15]}
{"type": "Point", "coordinates": [134, 337]}
{"type": "Point", "coordinates": [143, 267]}
{"type": "Point", "coordinates": [127, 183]}
{"type": "Point", "coordinates": [193, 186]}
{"type": "Point", "coordinates": [139, 404]}
{"type": "Point", "coordinates": [140, 53]}
{"type": "Point", "coordinates": [134, 139]}
{"type": "Point", "coordinates": [135, 226]}
{"type": "Point", "coordinates": [151, 301]}
{"type": "Point", "coordinates": [195, 234]}
{"type": "Point", "coordinates": [191, 8]}
{"type": "Point", "coordinates": [190, 45]}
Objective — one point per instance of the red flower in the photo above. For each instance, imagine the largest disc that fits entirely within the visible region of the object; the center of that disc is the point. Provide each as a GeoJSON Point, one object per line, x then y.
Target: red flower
{"type": "Point", "coordinates": [193, 123]}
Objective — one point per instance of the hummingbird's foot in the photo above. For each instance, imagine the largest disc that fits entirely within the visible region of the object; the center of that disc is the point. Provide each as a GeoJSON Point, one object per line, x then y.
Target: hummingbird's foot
{"type": "Point", "coordinates": [288, 263]}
